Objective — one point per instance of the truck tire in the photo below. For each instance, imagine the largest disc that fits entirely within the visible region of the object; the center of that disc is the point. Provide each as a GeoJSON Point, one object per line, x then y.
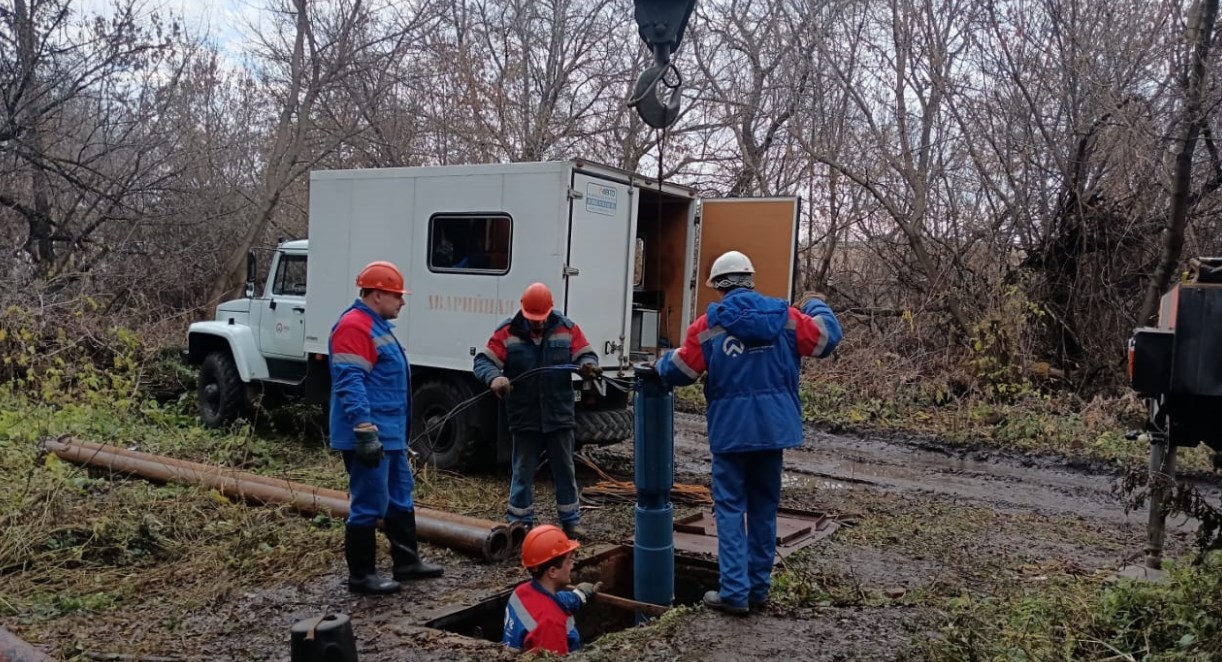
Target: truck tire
{"type": "Point", "coordinates": [222, 395]}
{"type": "Point", "coordinates": [458, 443]}
{"type": "Point", "coordinates": [603, 426]}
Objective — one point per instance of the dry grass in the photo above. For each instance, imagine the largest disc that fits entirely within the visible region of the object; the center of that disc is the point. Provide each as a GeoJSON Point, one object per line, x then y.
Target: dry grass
{"type": "Point", "coordinates": [82, 544]}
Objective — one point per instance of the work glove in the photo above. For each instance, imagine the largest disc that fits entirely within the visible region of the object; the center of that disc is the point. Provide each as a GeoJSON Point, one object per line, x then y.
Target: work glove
{"type": "Point", "coordinates": [808, 297]}
{"type": "Point", "coordinates": [587, 590]}
{"type": "Point", "coordinates": [501, 386]}
{"type": "Point", "coordinates": [589, 370]}
{"type": "Point", "coordinates": [368, 449]}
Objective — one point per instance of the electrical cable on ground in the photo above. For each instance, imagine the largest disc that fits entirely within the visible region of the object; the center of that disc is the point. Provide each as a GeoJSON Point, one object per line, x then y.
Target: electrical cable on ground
{"type": "Point", "coordinates": [611, 488]}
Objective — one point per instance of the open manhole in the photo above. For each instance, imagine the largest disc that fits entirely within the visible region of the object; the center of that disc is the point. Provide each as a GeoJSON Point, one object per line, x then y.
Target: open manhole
{"type": "Point", "coordinates": [613, 567]}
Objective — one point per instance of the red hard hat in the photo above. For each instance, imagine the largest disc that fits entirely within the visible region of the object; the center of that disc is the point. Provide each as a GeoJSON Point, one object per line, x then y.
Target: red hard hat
{"type": "Point", "coordinates": [383, 276]}
{"type": "Point", "coordinates": [537, 302]}
{"type": "Point", "coordinates": [544, 543]}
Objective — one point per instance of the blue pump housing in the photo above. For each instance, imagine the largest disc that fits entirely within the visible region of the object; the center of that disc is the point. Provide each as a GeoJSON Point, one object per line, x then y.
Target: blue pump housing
{"type": "Point", "coordinates": [654, 444]}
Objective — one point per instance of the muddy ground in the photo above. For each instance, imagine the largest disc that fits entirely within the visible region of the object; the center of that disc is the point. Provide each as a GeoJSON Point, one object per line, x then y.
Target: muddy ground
{"type": "Point", "coordinates": [923, 522]}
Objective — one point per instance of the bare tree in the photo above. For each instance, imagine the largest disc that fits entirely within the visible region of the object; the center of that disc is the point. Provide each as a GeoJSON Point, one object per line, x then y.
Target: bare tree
{"type": "Point", "coordinates": [1199, 38]}
{"type": "Point", "coordinates": [79, 139]}
{"type": "Point", "coordinates": [530, 77]}
{"type": "Point", "coordinates": [756, 58]}
{"type": "Point", "coordinates": [899, 98]}
{"type": "Point", "coordinates": [308, 62]}
{"type": "Point", "coordinates": [379, 107]}
{"type": "Point", "coordinates": [1065, 122]}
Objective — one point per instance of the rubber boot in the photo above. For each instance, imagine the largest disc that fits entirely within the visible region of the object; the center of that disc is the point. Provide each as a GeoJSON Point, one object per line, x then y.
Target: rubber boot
{"type": "Point", "coordinates": [401, 531]}
{"type": "Point", "coordinates": [360, 548]}
{"type": "Point", "coordinates": [712, 600]}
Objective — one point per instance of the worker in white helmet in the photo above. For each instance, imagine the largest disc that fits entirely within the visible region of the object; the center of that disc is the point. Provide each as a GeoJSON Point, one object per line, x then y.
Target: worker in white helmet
{"type": "Point", "coordinates": [750, 345]}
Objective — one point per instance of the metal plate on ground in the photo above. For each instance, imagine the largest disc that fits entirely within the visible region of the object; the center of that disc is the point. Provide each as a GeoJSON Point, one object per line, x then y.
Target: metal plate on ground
{"type": "Point", "coordinates": [795, 529]}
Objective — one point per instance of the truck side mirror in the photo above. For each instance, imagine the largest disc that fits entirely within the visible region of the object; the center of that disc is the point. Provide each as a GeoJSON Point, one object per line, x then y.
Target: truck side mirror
{"type": "Point", "coordinates": [251, 269]}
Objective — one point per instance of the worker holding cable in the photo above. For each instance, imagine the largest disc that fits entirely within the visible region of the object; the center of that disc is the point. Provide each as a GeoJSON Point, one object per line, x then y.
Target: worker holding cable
{"type": "Point", "coordinates": [750, 345]}
{"type": "Point", "coordinates": [529, 362]}
{"type": "Point", "coordinates": [370, 409]}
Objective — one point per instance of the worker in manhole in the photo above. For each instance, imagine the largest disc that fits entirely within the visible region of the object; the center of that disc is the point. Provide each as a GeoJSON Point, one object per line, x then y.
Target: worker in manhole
{"type": "Point", "coordinates": [750, 345]}
{"type": "Point", "coordinates": [370, 384]}
{"type": "Point", "coordinates": [539, 615]}
{"type": "Point", "coordinates": [528, 363]}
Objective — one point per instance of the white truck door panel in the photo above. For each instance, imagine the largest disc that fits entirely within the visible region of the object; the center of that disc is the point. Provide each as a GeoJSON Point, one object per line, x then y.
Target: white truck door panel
{"type": "Point", "coordinates": [599, 269]}
{"type": "Point", "coordinates": [765, 229]}
{"type": "Point", "coordinates": [282, 331]}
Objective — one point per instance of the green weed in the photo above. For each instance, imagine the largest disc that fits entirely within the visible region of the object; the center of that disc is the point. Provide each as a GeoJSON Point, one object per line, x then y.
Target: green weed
{"type": "Point", "coordinates": [1087, 618]}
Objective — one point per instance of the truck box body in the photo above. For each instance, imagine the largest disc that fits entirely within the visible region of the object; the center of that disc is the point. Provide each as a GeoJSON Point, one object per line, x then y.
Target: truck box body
{"type": "Point", "coordinates": [570, 225]}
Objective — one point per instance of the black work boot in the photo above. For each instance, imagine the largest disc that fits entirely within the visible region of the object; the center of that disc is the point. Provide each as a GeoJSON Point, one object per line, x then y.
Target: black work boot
{"type": "Point", "coordinates": [401, 531]}
{"type": "Point", "coordinates": [712, 600]}
{"type": "Point", "coordinates": [575, 531]}
{"type": "Point", "coordinates": [360, 548]}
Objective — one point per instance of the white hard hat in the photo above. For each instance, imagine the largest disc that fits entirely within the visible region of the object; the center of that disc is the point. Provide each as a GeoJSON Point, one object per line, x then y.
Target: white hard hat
{"type": "Point", "coordinates": [730, 262]}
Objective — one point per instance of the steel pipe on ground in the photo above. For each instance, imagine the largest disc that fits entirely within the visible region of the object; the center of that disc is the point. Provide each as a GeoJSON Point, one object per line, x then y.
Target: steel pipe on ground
{"type": "Point", "coordinates": [467, 534]}
{"type": "Point", "coordinates": [282, 483]}
{"type": "Point", "coordinates": [517, 535]}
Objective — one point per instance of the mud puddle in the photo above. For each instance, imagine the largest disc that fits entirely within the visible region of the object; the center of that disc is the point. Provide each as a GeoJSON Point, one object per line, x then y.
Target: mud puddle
{"type": "Point", "coordinates": [800, 480]}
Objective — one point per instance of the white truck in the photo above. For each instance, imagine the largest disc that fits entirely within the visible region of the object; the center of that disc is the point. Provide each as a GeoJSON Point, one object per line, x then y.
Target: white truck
{"type": "Point", "coordinates": [622, 254]}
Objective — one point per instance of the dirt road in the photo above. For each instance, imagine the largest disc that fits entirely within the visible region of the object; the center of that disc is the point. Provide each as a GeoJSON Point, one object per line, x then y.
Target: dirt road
{"type": "Point", "coordinates": [1005, 482]}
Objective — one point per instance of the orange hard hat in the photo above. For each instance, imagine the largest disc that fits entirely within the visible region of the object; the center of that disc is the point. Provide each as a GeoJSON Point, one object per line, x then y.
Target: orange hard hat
{"type": "Point", "coordinates": [544, 543]}
{"type": "Point", "coordinates": [537, 302]}
{"type": "Point", "coordinates": [383, 276]}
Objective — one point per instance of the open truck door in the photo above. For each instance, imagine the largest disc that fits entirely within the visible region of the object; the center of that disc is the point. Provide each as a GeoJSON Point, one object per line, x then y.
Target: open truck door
{"type": "Point", "coordinates": [765, 229]}
{"type": "Point", "coordinates": [598, 271]}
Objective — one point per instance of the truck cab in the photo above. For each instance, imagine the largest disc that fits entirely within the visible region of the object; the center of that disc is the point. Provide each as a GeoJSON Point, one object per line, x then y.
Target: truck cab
{"type": "Point", "coordinates": [622, 254]}
{"type": "Point", "coordinates": [257, 340]}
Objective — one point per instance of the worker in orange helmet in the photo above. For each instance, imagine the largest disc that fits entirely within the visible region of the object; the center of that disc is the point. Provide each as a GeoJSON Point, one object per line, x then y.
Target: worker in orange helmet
{"type": "Point", "coordinates": [539, 613]}
{"type": "Point", "coordinates": [538, 400]}
{"type": "Point", "coordinates": [370, 408]}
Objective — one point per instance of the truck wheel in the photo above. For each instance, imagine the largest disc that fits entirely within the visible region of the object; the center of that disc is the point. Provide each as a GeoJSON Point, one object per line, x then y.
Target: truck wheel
{"type": "Point", "coordinates": [456, 443]}
{"type": "Point", "coordinates": [603, 426]}
{"type": "Point", "coordinates": [222, 395]}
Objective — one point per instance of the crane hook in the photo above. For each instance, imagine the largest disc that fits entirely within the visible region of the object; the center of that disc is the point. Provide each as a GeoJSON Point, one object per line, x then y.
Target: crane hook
{"type": "Point", "coordinates": [655, 110]}
{"type": "Point", "coordinates": [661, 24]}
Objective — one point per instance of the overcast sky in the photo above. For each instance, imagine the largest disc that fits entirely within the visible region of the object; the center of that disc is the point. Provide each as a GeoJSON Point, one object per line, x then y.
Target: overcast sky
{"type": "Point", "coordinates": [225, 22]}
